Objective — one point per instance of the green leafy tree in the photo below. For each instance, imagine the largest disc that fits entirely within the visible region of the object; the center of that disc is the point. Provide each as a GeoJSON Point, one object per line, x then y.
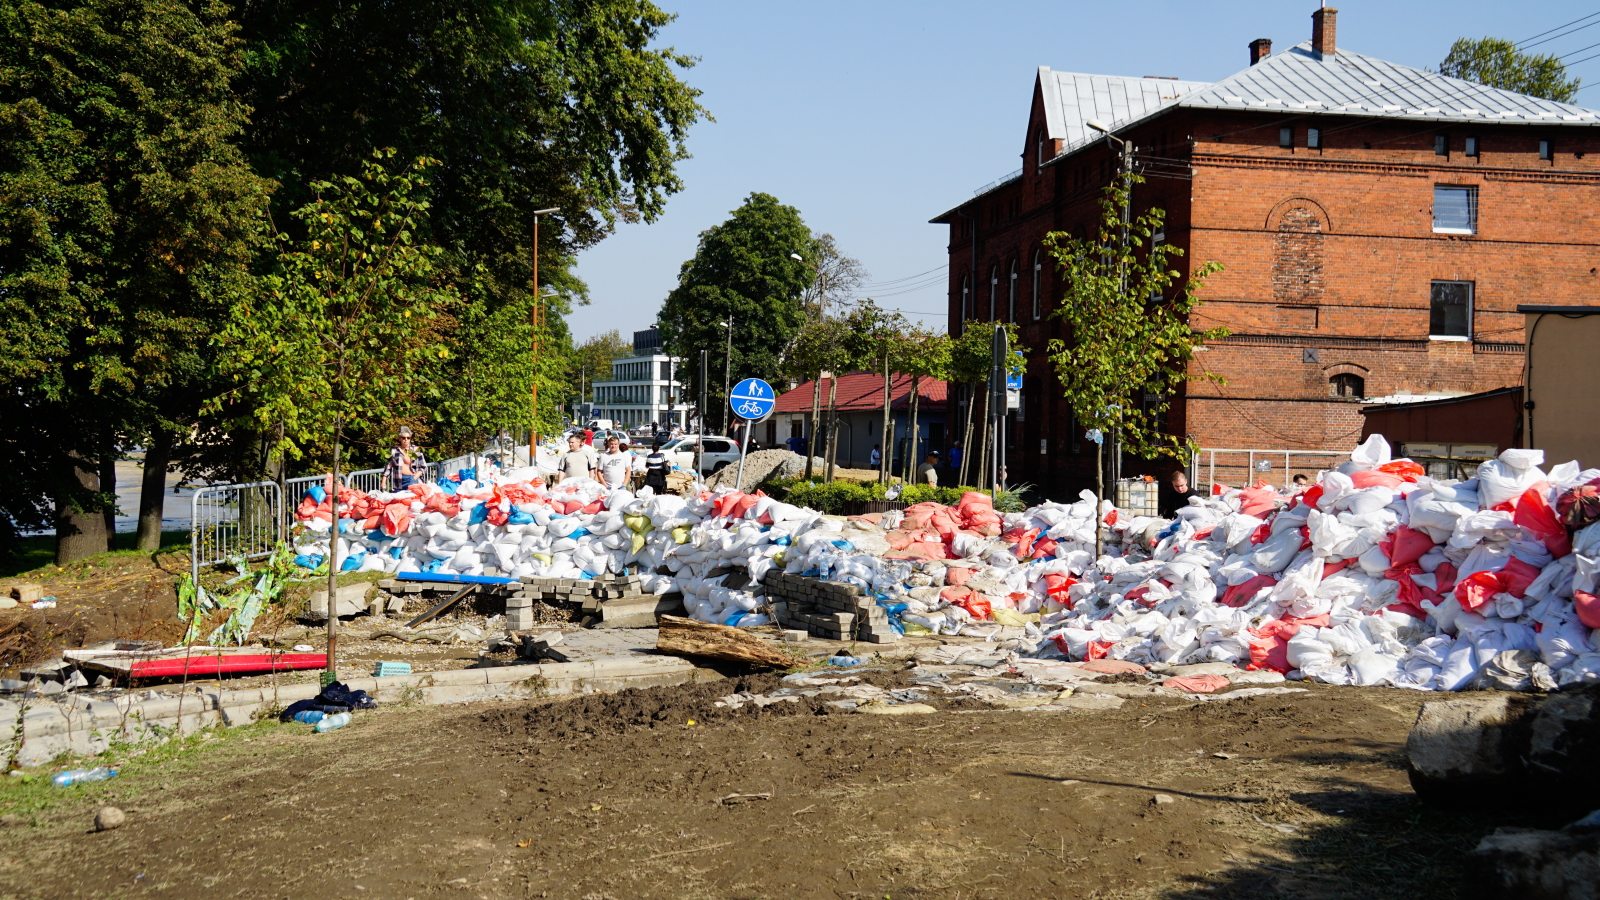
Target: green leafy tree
{"type": "Point", "coordinates": [591, 360]}
{"type": "Point", "coordinates": [1126, 309]}
{"type": "Point", "coordinates": [819, 347]}
{"type": "Point", "coordinates": [127, 218]}
{"type": "Point", "coordinates": [926, 354]}
{"type": "Point", "coordinates": [742, 269]}
{"type": "Point", "coordinates": [971, 363]}
{"type": "Point", "coordinates": [1497, 63]}
{"type": "Point", "coordinates": [339, 330]}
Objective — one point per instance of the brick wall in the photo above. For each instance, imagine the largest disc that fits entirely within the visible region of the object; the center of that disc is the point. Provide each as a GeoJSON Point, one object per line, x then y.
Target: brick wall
{"type": "Point", "coordinates": [1328, 258]}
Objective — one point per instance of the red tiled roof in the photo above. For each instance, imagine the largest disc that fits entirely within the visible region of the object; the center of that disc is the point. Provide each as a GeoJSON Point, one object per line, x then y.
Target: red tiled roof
{"type": "Point", "coordinates": [864, 391]}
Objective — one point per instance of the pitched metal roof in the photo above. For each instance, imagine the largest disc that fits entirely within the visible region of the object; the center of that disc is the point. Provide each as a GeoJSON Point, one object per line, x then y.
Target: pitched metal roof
{"type": "Point", "coordinates": [863, 391]}
{"type": "Point", "coordinates": [1072, 99]}
{"type": "Point", "coordinates": [1345, 83]}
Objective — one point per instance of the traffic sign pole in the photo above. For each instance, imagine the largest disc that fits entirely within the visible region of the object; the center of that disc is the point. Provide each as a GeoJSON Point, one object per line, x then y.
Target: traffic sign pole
{"type": "Point", "coordinates": [752, 400]}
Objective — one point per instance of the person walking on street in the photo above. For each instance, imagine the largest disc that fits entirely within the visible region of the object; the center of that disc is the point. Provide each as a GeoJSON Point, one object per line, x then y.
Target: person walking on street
{"type": "Point", "coordinates": [580, 461]}
{"type": "Point", "coordinates": [405, 461]}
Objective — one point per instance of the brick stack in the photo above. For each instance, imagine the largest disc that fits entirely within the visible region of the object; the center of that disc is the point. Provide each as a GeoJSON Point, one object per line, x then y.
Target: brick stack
{"type": "Point", "coordinates": [834, 610]}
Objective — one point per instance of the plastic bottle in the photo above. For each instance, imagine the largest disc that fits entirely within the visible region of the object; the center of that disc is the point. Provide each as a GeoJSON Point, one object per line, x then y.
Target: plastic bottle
{"type": "Point", "coordinates": [309, 716]}
{"type": "Point", "coordinates": [329, 723]}
{"type": "Point", "coordinates": [79, 776]}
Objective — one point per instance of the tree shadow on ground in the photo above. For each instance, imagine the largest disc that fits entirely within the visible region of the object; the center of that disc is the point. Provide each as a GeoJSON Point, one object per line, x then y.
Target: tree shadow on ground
{"type": "Point", "coordinates": [1366, 845]}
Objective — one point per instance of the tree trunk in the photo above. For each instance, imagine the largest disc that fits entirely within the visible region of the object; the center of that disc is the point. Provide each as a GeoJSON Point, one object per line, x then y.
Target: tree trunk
{"type": "Point", "coordinates": [153, 490]}
{"type": "Point", "coordinates": [811, 427]}
{"type": "Point", "coordinates": [79, 532]}
{"type": "Point", "coordinates": [912, 459]}
{"type": "Point", "coordinates": [966, 437]}
{"type": "Point", "coordinates": [686, 637]}
{"type": "Point", "coordinates": [1099, 491]}
{"type": "Point", "coordinates": [886, 457]}
{"type": "Point", "coordinates": [833, 424]}
{"type": "Point", "coordinates": [108, 485]}
{"type": "Point", "coordinates": [981, 475]}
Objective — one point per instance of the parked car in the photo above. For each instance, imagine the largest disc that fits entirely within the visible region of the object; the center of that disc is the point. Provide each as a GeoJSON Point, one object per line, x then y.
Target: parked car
{"type": "Point", "coordinates": [718, 452]}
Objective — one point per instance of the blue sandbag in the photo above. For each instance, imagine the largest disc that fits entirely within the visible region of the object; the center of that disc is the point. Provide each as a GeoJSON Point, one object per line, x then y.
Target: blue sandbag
{"type": "Point", "coordinates": [316, 493]}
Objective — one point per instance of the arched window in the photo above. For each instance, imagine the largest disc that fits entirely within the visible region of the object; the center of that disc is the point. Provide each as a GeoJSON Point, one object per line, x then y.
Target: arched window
{"type": "Point", "coordinates": [1038, 269]}
{"type": "Point", "coordinates": [994, 290]}
{"type": "Point", "coordinates": [1347, 386]}
{"type": "Point", "coordinates": [1011, 311]}
{"type": "Point", "coordinates": [966, 302]}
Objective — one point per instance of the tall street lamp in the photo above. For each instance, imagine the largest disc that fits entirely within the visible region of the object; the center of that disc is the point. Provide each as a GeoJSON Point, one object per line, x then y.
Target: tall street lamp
{"type": "Point", "coordinates": [727, 368]}
{"type": "Point", "coordinates": [536, 322]}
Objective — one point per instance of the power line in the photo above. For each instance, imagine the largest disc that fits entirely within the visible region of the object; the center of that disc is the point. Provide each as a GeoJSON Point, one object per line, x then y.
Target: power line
{"type": "Point", "coordinates": [1557, 28]}
{"type": "Point", "coordinates": [1563, 57]}
{"type": "Point", "coordinates": [907, 278]}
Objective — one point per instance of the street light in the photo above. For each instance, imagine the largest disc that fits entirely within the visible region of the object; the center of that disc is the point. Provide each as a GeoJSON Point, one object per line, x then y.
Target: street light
{"type": "Point", "coordinates": [535, 322]}
{"type": "Point", "coordinates": [727, 366]}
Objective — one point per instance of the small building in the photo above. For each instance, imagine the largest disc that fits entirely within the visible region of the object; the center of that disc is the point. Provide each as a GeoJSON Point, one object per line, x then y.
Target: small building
{"type": "Point", "coordinates": [643, 387]}
{"type": "Point", "coordinates": [1561, 415]}
{"type": "Point", "coordinates": [1449, 436]}
{"type": "Point", "coordinates": [858, 406]}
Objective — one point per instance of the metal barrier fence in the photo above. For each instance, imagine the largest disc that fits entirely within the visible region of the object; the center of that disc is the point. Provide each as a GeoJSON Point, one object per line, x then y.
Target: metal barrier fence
{"type": "Point", "coordinates": [1248, 465]}
{"type": "Point", "coordinates": [230, 520]}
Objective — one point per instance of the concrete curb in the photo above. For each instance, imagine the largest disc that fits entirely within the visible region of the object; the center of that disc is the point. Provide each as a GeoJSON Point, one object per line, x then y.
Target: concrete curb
{"type": "Point", "coordinates": [85, 727]}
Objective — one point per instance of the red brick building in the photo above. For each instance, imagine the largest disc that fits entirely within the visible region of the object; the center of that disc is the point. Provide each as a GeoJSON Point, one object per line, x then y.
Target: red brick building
{"type": "Point", "coordinates": [1378, 226]}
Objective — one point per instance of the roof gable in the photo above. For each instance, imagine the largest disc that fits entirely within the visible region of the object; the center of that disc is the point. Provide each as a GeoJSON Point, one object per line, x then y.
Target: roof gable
{"type": "Point", "coordinates": [1345, 83]}
{"type": "Point", "coordinates": [1071, 99]}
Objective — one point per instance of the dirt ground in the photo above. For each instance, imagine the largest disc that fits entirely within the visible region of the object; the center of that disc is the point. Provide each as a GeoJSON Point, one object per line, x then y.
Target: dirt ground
{"type": "Point", "coordinates": [633, 795]}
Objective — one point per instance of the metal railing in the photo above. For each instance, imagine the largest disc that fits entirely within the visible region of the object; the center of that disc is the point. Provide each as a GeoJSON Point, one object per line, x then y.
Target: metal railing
{"type": "Point", "coordinates": [229, 520]}
{"type": "Point", "coordinates": [1254, 464]}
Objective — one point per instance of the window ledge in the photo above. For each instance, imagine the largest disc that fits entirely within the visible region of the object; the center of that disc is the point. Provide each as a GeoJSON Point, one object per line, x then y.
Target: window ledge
{"type": "Point", "coordinates": [1449, 337]}
{"type": "Point", "coordinates": [1455, 231]}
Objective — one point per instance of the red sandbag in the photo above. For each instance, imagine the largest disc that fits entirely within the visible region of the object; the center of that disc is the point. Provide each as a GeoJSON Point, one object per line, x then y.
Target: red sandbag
{"type": "Point", "coordinates": [1311, 496]}
{"type": "Point", "coordinates": [1588, 607]}
{"type": "Point", "coordinates": [967, 599]}
{"type": "Point", "coordinates": [1580, 507]}
{"type": "Point", "coordinates": [1516, 577]}
{"type": "Point", "coordinates": [1375, 479]}
{"type": "Point", "coordinates": [1257, 501]}
{"type": "Point", "coordinates": [370, 523]}
{"type": "Point", "coordinates": [1534, 513]}
{"type": "Point", "coordinates": [1330, 568]}
{"type": "Point", "coordinates": [1197, 684]}
{"type": "Point", "coordinates": [1238, 595]}
{"type": "Point", "coordinates": [396, 518]}
{"type": "Point", "coordinates": [1044, 548]}
{"type": "Point", "coordinates": [1058, 588]}
{"type": "Point", "coordinates": [1137, 595]}
{"type": "Point", "coordinates": [497, 516]}
{"type": "Point", "coordinates": [1270, 650]}
{"type": "Point", "coordinates": [957, 575]}
{"type": "Point", "coordinates": [1445, 577]}
{"type": "Point", "coordinates": [1260, 535]}
{"type": "Point", "coordinates": [1407, 546]}
{"type": "Point", "coordinates": [1476, 590]}
{"type": "Point", "coordinates": [1102, 666]}
{"type": "Point", "coordinates": [1405, 468]}
{"type": "Point", "coordinates": [1097, 650]}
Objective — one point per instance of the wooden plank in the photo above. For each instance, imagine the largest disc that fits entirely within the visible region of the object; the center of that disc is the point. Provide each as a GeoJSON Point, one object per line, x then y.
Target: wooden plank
{"type": "Point", "coordinates": [687, 637]}
{"type": "Point", "coordinates": [442, 607]}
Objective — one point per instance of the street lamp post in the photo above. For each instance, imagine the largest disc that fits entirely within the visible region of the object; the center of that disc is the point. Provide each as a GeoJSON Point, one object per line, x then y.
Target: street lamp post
{"type": "Point", "coordinates": [727, 368]}
{"type": "Point", "coordinates": [536, 322]}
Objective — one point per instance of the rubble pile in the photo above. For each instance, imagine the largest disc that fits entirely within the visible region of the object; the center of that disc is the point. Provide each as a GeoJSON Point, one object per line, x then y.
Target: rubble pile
{"type": "Point", "coordinates": [1378, 574]}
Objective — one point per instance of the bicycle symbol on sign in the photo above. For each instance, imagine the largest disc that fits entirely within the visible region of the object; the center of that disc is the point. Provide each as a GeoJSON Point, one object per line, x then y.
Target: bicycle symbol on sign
{"type": "Point", "coordinates": [749, 409]}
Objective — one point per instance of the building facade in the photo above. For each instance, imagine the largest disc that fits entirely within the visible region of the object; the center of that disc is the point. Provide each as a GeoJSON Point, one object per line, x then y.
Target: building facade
{"type": "Point", "coordinates": [643, 387]}
{"type": "Point", "coordinates": [858, 408]}
{"type": "Point", "coordinates": [1377, 226]}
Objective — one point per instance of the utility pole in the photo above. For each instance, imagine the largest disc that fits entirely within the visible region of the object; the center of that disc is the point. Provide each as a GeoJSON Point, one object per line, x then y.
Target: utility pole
{"type": "Point", "coordinates": [699, 443]}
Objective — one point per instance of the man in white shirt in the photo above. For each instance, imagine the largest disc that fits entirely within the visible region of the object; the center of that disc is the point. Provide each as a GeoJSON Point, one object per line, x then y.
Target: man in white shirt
{"type": "Point", "coordinates": [615, 464]}
{"type": "Point", "coordinates": [579, 462]}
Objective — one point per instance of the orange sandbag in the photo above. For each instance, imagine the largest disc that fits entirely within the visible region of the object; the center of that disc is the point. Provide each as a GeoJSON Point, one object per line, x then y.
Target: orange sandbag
{"type": "Point", "coordinates": [1197, 684]}
{"type": "Point", "coordinates": [1238, 595]}
{"type": "Point", "coordinates": [1588, 607]}
{"type": "Point", "coordinates": [396, 518]}
{"type": "Point", "coordinates": [1405, 468]}
{"type": "Point", "coordinates": [1375, 479]}
{"type": "Point", "coordinates": [1102, 666]}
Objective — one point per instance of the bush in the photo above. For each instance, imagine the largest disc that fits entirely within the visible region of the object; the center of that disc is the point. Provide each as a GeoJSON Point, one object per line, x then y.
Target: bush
{"type": "Point", "coordinates": [831, 497]}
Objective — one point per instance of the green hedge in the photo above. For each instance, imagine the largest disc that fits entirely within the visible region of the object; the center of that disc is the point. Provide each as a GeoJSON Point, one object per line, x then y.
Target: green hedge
{"type": "Point", "coordinates": [831, 497]}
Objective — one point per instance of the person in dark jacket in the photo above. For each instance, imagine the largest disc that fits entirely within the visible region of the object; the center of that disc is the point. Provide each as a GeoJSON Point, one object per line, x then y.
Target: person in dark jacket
{"type": "Point", "coordinates": [1174, 494]}
{"type": "Point", "coordinates": [655, 469]}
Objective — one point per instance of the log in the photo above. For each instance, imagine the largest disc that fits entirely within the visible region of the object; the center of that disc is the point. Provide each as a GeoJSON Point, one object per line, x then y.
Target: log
{"type": "Point", "coordinates": [686, 637]}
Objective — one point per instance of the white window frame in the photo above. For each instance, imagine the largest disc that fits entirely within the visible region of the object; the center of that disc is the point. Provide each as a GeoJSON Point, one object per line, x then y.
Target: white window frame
{"type": "Point", "coordinates": [1011, 315]}
{"type": "Point", "coordinates": [1038, 267]}
{"type": "Point", "coordinates": [1472, 208]}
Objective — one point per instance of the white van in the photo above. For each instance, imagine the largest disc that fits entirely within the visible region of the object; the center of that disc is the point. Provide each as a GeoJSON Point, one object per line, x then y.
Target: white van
{"type": "Point", "coordinates": [601, 425]}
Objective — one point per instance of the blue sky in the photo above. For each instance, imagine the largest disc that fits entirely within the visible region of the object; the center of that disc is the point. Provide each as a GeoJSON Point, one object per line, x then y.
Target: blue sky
{"type": "Point", "coordinates": [871, 118]}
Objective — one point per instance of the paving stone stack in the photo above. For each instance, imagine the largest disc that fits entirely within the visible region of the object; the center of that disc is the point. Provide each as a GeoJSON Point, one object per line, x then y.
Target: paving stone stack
{"type": "Point", "coordinates": [590, 596]}
{"type": "Point", "coordinates": [834, 610]}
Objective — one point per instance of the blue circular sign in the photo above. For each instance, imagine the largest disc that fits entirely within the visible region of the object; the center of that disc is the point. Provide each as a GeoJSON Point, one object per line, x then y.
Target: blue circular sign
{"type": "Point", "coordinates": [753, 399]}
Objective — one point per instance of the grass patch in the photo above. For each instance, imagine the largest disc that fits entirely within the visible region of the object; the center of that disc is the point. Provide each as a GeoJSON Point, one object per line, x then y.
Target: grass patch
{"type": "Point", "coordinates": [39, 552]}
{"type": "Point", "coordinates": [141, 768]}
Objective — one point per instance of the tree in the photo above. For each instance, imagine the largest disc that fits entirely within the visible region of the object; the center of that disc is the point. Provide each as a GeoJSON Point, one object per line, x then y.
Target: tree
{"type": "Point", "coordinates": [591, 360]}
{"type": "Point", "coordinates": [127, 218]}
{"type": "Point", "coordinates": [742, 268]}
{"type": "Point", "coordinates": [1497, 63]}
{"type": "Point", "coordinates": [818, 347]}
{"type": "Point", "coordinates": [836, 277]}
{"type": "Point", "coordinates": [1127, 315]}
{"type": "Point", "coordinates": [926, 355]}
{"type": "Point", "coordinates": [342, 327]}
{"type": "Point", "coordinates": [971, 362]}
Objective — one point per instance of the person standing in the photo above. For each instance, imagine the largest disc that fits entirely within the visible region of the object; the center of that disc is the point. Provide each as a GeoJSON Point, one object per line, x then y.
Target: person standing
{"type": "Point", "coordinates": [655, 469]}
{"type": "Point", "coordinates": [580, 461]}
{"type": "Point", "coordinates": [405, 462]}
{"type": "Point", "coordinates": [955, 462]}
{"type": "Point", "coordinates": [928, 472]}
{"type": "Point", "coordinates": [1173, 495]}
{"type": "Point", "coordinates": [877, 456]}
{"type": "Point", "coordinates": [615, 464]}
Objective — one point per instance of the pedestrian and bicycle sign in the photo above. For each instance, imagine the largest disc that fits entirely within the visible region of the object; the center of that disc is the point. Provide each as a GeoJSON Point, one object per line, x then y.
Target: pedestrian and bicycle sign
{"type": "Point", "coordinates": [753, 400]}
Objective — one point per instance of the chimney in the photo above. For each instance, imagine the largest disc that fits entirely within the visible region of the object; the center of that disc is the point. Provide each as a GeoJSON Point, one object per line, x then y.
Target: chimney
{"type": "Point", "coordinates": [1323, 24]}
{"type": "Point", "coordinates": [1260, 49]}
